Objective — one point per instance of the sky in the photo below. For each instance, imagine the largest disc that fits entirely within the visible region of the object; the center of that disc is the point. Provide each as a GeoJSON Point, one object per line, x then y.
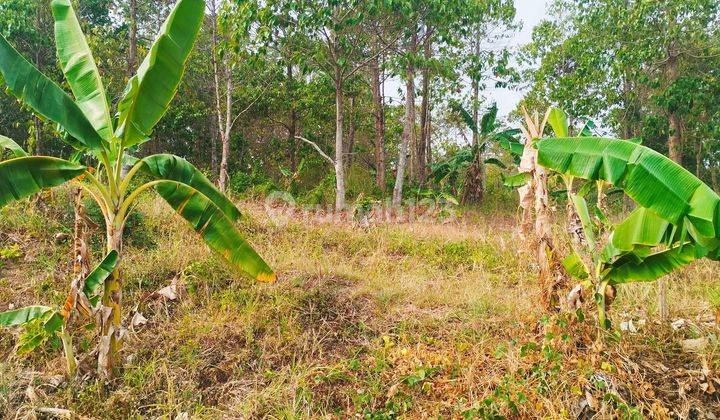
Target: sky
{"type": "Point", "coordinates": [530, 13]}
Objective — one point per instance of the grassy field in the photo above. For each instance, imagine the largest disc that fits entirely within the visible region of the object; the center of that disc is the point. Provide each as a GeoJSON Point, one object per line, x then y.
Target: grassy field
{"type": "Point", "coordinates": [410, 320]}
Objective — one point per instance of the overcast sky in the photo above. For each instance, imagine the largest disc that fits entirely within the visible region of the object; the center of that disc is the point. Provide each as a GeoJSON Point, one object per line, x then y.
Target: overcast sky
{"type": "Point", "coordinates": [530, 13]}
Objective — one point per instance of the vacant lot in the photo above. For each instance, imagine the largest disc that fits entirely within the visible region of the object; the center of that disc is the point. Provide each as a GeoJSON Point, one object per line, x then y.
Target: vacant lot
{"type": "Point", "coordinates": [420, 319]}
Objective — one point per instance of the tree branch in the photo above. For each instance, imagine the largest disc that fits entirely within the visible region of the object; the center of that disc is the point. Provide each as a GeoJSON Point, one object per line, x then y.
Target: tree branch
{"type": "Point", "coordinates": [313, 144]}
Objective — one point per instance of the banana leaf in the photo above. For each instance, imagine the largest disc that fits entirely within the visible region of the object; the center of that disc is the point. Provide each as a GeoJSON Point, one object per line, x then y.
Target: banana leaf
{"type": "Point", "coordinates": [8, 143]}
{"type": "Point", "coordinates": [649, 178]}
{"type": "Point", "coordinates": [488, 120]}
{"type": "Point", "coordinates": [575, 266]}
{"type": "Point", "coordinates": [21, 177]}
{"type": "Point", "coordinates": [654, 265]}
{"type": "Point", "coordinates": [215, 228]}
{"type": "Point", "coordinates": [517, 180]}
{"type": "Point", "coordinates": [174, 168]}
{"type": "Point", "coordinates": [79, 67]}
{"type": "Point", "coordinates": [22, 315]}
{"type": "Point", "coordinates": [558, 120]}
{"type": "Point", "coordinates": [46, 98]}
{"type": "Point", "coordinates": [466, 117]}
{"type": "Point", "coordinates": [642, 227]}
{"type": "Point", "coordinates": [100, 273]}
{"type": "Point", "coordinates": [148, 94]}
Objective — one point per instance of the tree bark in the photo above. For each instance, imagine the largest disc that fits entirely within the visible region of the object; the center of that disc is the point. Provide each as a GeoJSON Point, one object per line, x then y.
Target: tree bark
{"type": "Point", "coordinates": [379, 114]}
{"type": "Point", "coordinates": [675, 152]}
{"type": "Point", "coordinates": [292, 126]}
{"type": "Point", "coordinates": [408, 135]}
{"type": "Point", "coordinates": [224, 127]}
{"type": "Point", "coordinates": [421, 151]}
{"type": "Point", "coordinates": [350, 143]}
{"type": "Point", "coordinates": [714, 180]}
{"type": "Point", "coordinates": [698, 158]}
{"type": "Point", "coordinates": [339, 142]}
{"type": "Point", "coordinates": [225, 137]}
{"type": "Point", "coordinates": [213, 143]}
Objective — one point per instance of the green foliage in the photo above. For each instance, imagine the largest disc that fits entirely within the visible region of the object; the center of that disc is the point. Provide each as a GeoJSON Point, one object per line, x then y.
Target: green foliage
{"type": "Point", "coordinates": [677, 220]}
{"type": "Point", "coordinates": [148, 93]}
{"type": "Point", "coordinates": [25, 176]}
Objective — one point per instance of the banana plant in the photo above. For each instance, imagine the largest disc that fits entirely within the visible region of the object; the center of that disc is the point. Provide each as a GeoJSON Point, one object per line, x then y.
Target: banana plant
{"type": "Point", "coordinates": [83, 300]}
{"type": "Point", "coordinates": [676, 221]}
{"type": "Point", "coordinates": [84, 121]}
{"type": "Point", "coordinates": [469, 160]}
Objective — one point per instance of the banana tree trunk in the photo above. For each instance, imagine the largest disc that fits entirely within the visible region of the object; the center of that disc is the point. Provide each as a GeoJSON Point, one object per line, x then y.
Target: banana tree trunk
{"type": "Point", "coordinates": [535, 227]}
{"type": "Point", "coordinates": [110, 310]}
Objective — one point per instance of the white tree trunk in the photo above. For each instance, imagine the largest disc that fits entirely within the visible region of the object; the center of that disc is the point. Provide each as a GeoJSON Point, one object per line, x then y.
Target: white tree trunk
{"type": "Point", "coordinates": [408, 134]}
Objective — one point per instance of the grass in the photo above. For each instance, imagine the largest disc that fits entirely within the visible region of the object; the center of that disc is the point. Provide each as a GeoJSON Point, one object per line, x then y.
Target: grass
{"type": "Point", "coordinates": [398, 320]}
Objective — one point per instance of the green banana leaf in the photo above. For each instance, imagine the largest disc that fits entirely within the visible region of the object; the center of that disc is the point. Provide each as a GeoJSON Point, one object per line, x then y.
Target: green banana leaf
{"type": "Point", "coordinates": [21, 177]}
{"type": "Point", "coordinates": [649, 178]}
{"type": "Point", "coordinates": [174, 168]}
{"type": "Point", "coordinates": [575, 266]}
{"type": "Point", "coordinates": [215, 228]}
{"type": "Point", "coordinates": [654, 265]}
{"type": "Point", "coordinates": [643, 227]}
{"type": "Point", "coordinates": [509, 143]}
{"type": "Point", "coordinates": [466, 117]}
{"type": "Point", "coordinates": [79, 68]}
{"type": "Point", "coordinates": [558, 120]}
{"type": "Point", "coordinates": [148, 93]}
{"type": "Point", "coordinates": [97, 277]}
{"type": "Point", "coordinates": [587, 129]}
{"type": "Point", "coordinates": [46, 98]}
{"type": "Point", "coordinates": [8, 143]}
{"type": "Point", "coordinates": [488, 120]}
{"type": "Point", "coordinates": [22, 315]}
{"type": "Point", "coordinates": [517, 180]}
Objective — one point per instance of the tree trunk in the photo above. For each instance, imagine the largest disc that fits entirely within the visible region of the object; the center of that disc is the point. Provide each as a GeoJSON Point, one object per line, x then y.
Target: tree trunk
{"type": "Point", "coordinates": [350, 143]}
{"type": "Point", "coordinates": [675, 152]}
{"type": "Point", "coordinates": [110, 312]}
{"type": "Point", "coordinates": [292, 126]}
{"type": "Point", "coordinates": [225, 137]}
{"type": "Point", "coordinates": [408, 135]}
{"type": "Point", "coordinates": [213, 143]}
{"type": "Point", "coordinates": [698, 158]}
{"type": "Point", "coordinates": [339, 143]}
{"type": "Point", "coordinates": [428, 138]}
{"type": "Point", "coordinates": [714, 180]}
{"type": "Point", "coordinates": [421, 151]}
{"type": "Point", "coordinates": [223, 128]}
{"type": "Point", "coordinates": [675, 146]}
{"type": "Point", "coordinates": [534, 201]}
{"type": "Point", "coordinates": [379, 114]}
{"type": "Point", "coordinates": [474, 188]}
{"type": "Point", "coordinates": [132, 51]}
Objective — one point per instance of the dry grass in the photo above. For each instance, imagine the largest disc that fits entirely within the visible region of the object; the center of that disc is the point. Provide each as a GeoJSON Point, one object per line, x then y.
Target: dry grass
{"type": "Point", "coordinates": [410, 320]}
